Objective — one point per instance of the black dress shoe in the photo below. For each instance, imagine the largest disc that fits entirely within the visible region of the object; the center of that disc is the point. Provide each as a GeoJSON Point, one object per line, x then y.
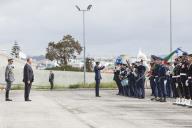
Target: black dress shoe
{"type": "Point", "coordinates": [163, 100]}
{"type": "Point", "coordinates": [28, 100]}
{"type": "Point", "coordinates": [157, 99]}
{"type": "Point", "coordinates": [8, 100]}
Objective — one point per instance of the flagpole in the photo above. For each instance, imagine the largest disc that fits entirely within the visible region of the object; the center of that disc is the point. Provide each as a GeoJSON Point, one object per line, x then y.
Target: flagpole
{"type": "Point", "coordinates": [171, 32]}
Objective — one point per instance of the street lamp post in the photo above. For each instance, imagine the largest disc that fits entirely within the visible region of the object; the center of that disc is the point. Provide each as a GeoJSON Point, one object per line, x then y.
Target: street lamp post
{"type": "Point", "coordinates": [171, 33]}
{"type": "Point", "coordinates": [84, 41]}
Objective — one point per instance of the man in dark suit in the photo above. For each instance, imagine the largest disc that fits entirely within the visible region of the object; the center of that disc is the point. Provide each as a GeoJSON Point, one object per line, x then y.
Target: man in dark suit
{"type": "Point", "coordinates": [51, 79]}
{"type": "Point", "coordinates": [98, 77]}
{"type": "Point", "coordinates": [28, 78]}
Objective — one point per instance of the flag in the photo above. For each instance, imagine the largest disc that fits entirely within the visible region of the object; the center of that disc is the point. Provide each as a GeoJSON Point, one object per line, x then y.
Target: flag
{"type": "Point", "coordinates": [168, 57]}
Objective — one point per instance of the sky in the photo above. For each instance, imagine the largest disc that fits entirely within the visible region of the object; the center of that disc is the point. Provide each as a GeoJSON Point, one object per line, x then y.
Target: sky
{"type": "Point", "coordinates": [113, 27]}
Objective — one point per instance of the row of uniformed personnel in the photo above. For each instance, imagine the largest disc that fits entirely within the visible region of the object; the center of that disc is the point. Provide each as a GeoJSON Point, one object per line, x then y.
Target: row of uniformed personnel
{"type": "Point", "coordinates": [172, 80]}
{"type": "Point", "coordinates": [130, 79]}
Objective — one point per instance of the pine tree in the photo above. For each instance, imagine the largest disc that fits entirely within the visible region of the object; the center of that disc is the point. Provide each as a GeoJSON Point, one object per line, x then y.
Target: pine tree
{"type": "Point", "coordinates": [15, 50]}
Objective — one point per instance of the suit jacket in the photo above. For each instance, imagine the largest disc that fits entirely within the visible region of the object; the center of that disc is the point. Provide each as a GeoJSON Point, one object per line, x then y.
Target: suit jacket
{"type": "Point", "coordinates": [51, 77]}
{"type": "Point", "coordinates": [9, 75]}
{"type": "Point", "coordinates": [28, 73]}
{"type": "Point", "coordinates": [98, 72]}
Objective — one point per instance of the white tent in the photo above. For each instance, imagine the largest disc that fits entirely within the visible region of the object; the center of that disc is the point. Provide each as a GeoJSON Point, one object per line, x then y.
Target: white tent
{"type": "Point", "coordinates": [22, 55]}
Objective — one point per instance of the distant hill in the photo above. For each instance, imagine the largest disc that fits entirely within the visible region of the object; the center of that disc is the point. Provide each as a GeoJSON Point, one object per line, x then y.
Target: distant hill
{"type": "Point", "coordinates": [38, 58]}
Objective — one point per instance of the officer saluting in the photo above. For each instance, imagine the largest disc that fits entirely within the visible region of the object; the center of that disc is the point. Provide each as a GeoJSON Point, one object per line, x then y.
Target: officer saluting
{"type": "Point", "coordinates": [98, 77]}
{"type": "Point", "coordinates": [9, 78]}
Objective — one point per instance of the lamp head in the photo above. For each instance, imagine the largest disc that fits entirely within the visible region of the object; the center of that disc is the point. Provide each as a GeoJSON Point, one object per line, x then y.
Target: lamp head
{"type": "Point", "coordinates": [78, 8]}
{"type": "Point", "coordinates": [89, 7]}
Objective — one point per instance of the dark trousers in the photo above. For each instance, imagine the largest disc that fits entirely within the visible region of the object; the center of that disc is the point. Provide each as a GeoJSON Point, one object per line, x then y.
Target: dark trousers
{"type": "Point", "coordinates": [27, 90]}
{"type": "Point", "coordinates": [8, 88]}
{"type": "Point", "coordinates": [156, 93]}
{"type": "Point", "coordinates": [127, 90]}
{"type": "Point", "coordinates": [132, 87]}
{"type": "Point", "coordinates": [118, 82]}
{"type": "Point", "coordinates": [97, 88]}
{"type": "Point", "coordinates": [158, 87]}
{"type": "Point", "coordinates": [180, 90]}
{"type": "Point", "coordinates": [137, 89]}
{"type": "Point", "coordinates": [173, 87]}
{"type": "Point", "coordinates": [168, 86]}
{"type": "Point", "coordinates": [152, 84]}
{"type": "Point", "coordinates": [162, 88]}
{"type": "Point", "coordinates": [52, 84]}
{"type": "Point", "coordinates": [7, 94]}
{"type": "Point", "coordinates": [141, 88]}
{"type": "Point", "coordinates": [185, 92]}
{"type": "Point", "coordinates": [190, 88]}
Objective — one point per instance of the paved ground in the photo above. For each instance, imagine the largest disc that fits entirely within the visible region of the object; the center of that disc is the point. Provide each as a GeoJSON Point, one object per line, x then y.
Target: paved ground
{"type": "Point", "coordinates": [80, 109]}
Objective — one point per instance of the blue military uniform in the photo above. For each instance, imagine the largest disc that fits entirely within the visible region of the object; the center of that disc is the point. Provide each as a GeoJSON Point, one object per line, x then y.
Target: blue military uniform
{"type": "Point", "coordinates": [131, 80]}
{"type": "Point", "coordinates": [190, 80]}
{"type": "Point", "coordinates": [118, 81]}
{"type": "Point", "coordinates": [140, 83]}
{"type": "Point", "coordinates": [98, 78]}
{"type": "Point", "coordinates": [162, 78]}
{"type": "Point", "coordinates": [156, 84]}
{"type": "Point", "coordinates": [152, 80]}
{"type": "Point", "coordinates": [183, 78]}
{"type": "Point", "coordinates": [124, 81]}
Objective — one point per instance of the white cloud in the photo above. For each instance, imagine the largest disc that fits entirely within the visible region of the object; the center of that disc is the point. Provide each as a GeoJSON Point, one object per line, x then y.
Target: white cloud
{"type": "Point", "coordinates": [110, 23]}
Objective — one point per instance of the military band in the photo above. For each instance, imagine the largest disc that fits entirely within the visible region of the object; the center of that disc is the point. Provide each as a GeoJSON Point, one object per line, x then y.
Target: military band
{"type": "Point", "coordinates": [130, 79]}
{"type": "Point", "coordinates": [167, 80]}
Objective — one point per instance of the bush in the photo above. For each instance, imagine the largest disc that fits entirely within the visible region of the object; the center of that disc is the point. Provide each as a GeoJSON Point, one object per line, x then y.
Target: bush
{"type": "Point", "coordinates": [18, 87]}
{"type": "Point", "coordinates": [66, 68]}
{"type": "Point", "coordinates": [74, 86]}
{"type": "Point", "coordinates": [110, 85]}
{"type": "Point", "coordinates": [92, 85]}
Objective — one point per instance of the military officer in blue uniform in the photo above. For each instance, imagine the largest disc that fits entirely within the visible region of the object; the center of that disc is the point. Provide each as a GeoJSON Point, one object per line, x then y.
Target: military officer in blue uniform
{"type": "Point", "coordinates": [162, 78]}
{"type": "Point", "coordinates": [157, 62]}
{"type": "Point", "coordinates": [140, 83]}
{"type": "Point", "coordinates": [97, 70]}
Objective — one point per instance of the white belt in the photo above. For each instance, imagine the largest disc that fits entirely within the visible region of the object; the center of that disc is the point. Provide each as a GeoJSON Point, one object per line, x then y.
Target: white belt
{"type": "Point", "coordinates": [189, 78]}
{"type": "Point", "coordinates": [183, 74]}
{"type": "Point", "coordinates": [174, 76]}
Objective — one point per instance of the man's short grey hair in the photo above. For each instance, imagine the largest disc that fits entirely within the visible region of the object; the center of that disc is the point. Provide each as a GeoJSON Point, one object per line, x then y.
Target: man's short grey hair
{"type": "Point", "coordinates": [28, 59]}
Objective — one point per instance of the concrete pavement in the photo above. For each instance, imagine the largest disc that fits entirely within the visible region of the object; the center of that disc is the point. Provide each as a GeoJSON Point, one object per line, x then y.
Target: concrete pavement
{"type": "Point", "coordinates": [80, 109]}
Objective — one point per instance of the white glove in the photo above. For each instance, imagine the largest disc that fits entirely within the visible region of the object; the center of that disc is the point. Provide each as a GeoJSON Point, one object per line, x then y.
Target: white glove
{"type": "Point", "coordinates": [165, 82]}
{"type": "Point", "coordinates": [187, 83]}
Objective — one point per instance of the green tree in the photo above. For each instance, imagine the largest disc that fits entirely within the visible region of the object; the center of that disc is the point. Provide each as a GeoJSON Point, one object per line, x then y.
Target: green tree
{"type": "Point", "coordinates": [89, 64]}
{"type": "Point", "coordinates": [62, 51]}
{"type": "Point", "coordinates": [15, 50]}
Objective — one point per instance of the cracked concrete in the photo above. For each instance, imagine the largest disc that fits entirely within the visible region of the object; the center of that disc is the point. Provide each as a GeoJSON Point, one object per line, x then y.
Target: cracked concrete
{"type": "Point", "coordinates": [80, 109]}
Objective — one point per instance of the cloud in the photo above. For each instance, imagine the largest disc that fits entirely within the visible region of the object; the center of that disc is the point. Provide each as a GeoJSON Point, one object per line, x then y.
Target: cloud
{"type": "Point", "coordinates": [112, 26]}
